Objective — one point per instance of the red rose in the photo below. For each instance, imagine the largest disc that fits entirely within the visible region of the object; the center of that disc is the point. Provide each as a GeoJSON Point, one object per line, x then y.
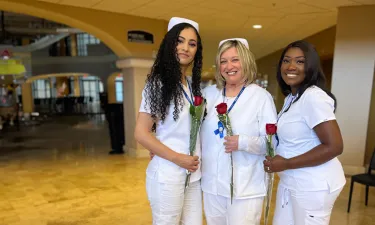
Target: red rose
{"type": "Point", "coordinates": [221, 108]}
{"type": "Point", "coordinates": [198, 100]}
{"type": "Point", "coordinates": [271, 128]}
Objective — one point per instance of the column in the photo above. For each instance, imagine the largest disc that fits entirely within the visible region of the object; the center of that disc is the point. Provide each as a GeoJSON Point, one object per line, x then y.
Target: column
{"type": "Point", "coordinates": [27, 99]}
{"type": "Point", "coordinates": [73, 44]}
{"type": "Point", "coordinates": [134, 72]}
{"type": "Point", "coordinates": [111, 87]}
{"type": "Point", "coordinates": [352, 79]}
{"type": "Point", "coordinates": [77, 90]}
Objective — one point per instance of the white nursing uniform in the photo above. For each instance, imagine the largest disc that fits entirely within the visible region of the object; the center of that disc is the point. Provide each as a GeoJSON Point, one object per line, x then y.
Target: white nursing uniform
{"type": "Point", "coordinates": [165, 180]}
{"type": "Point", "coordinates": [249, 116]}
{"type": "Point", "coordinates": [306, 195]}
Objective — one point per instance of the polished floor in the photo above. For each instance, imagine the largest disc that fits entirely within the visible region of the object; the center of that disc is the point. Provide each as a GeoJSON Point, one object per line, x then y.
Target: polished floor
{"type": "Point", "coordinates": [60, 173]}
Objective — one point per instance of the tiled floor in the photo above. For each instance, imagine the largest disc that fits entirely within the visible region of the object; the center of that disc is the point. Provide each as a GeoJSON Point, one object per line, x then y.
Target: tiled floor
{"type": "Point", "coordinates": [61, 174]}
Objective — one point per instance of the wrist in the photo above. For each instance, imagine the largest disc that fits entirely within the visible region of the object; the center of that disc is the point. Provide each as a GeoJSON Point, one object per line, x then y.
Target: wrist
{"type": "Point", "coordinates": [288, 164]}
{"type": "Point", "coordinates": [243, 142]}
{"type": "Point", "coordinates": [174, 157]}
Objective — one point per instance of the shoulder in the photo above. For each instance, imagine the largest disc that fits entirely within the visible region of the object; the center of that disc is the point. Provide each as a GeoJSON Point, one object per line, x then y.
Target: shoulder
{"type": "Point", "coordinates": [316, 95]}
{"type": "Point", "coordinates": [210, 90]}
{"type": "Point", "coordinates": [259, 92]}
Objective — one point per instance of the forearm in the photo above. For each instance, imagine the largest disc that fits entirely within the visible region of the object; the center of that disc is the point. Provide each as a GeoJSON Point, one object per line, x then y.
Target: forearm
{"type": "Point", "coordinates": [152, 144]}
{"type": "Point", "coordinates": [316, 156]}
{"type": "Point", "coordinates": [252, 144]}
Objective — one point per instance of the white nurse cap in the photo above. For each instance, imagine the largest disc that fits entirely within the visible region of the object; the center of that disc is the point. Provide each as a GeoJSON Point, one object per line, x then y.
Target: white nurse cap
{"type": "Point", "coordinates": [242, 40]}
{"type": "Point", "coordinates": [177, 20]}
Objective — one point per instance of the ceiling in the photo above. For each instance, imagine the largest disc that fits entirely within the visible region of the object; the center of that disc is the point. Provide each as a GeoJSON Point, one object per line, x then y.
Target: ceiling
{"type": "Point", "coordinates": [283, 21]}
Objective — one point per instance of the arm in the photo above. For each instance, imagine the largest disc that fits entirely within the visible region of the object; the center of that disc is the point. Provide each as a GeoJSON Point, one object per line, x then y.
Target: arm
{"type": "Point", "coordinates": [243, 142]}
{"type": "Point", "coordinates": [144, 136]}
{"type": "Point", "coordinates": [318, 115]}
{"type": "Point", "coordinates": [331, 146]}
{"type": "Point", "coordinates": [254, 144]}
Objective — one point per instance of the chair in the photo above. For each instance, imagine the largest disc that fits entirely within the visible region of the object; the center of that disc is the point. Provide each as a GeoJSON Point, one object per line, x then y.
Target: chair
{"type": "Point", "coordinates": [367, 179]}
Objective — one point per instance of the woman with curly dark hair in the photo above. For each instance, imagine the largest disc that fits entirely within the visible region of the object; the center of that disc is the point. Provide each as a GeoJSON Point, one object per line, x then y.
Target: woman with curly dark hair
{"type": "Point", "coordinates": [165, 109]}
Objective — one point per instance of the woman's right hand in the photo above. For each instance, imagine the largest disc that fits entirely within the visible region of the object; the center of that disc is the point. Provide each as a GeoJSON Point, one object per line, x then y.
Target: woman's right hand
{"type": "Point", "coordinates": [187, 162]}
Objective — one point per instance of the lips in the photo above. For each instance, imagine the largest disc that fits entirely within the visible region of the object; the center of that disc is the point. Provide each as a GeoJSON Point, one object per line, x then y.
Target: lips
{"type": "Point", "coordinates": [290, 75]}
{"type": "Point", "coordinates": [231, 73]}
{"type": "Point", "coordinates": [183, 55]}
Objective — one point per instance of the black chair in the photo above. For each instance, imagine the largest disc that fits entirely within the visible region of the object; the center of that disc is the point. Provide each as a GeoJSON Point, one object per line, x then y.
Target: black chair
{"type": "Point", "coordinates": [367, 179]}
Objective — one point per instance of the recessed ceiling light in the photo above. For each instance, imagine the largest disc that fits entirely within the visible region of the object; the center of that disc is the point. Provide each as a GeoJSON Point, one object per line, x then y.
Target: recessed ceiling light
{"type": "Point", "coordinates": [257, 26]}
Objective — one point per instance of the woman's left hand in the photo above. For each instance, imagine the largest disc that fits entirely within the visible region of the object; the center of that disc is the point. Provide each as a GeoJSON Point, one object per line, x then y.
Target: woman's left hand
{"type": "Point", "coordinates": [275, 164]}
{"type": "Point", "coordinates": [231, 143]}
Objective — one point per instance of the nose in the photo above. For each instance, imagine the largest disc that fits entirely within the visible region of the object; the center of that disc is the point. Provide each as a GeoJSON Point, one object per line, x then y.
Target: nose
{"type": "Point", "coordinates": [229, 65]}
{"type": "Point", "coordinates": [185, 46]}
{"type": "Point", "coordinates": [292, 66]}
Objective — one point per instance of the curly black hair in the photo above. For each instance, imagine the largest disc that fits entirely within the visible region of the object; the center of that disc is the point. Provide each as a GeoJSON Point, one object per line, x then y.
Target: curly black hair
{"type": "Point", "coordinates": [163, 84]}
{"type": "Point", "coordinates": [313, 71]}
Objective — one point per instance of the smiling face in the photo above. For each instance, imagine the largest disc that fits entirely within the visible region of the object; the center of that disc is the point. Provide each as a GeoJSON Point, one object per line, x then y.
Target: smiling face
{"type": "Point", "coordinates": [230, 67]}
{"type": "Point", "coordinates": [293, 68]}
{"type": "Point", "coordinates": [187, 46]}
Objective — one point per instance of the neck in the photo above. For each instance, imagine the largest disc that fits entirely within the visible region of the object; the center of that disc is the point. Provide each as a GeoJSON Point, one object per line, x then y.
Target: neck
{"type": "Point", "coordinates": [294, 90]}
{"type": "Point", "coordinates": [183, 74]}
{"type": "Point", "coordinates": [233, 89]}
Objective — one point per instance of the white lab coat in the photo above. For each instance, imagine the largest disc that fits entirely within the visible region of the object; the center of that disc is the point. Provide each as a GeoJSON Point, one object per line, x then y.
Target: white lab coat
{"type": "Point", "coordinates": [249, 116]}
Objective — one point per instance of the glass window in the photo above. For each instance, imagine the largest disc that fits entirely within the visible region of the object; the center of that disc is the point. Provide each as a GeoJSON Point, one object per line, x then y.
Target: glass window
{"type": "Point", "coordinates": [119, 89]}
{"type": "Point", "coordinates": [83, 40]}
{"type": "Point", "coordinates": [42, 89]}
{"type": "Point", "coordinates": [91, 87]}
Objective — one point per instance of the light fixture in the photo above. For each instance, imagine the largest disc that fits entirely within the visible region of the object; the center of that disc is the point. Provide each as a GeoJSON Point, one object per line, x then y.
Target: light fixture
{"type": "Point", "coordinates": [257, 26]}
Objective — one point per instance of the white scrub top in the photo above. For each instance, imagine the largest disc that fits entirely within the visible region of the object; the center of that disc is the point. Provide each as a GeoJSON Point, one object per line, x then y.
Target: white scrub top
{"type": "Point", "coordinates": [296, 137]}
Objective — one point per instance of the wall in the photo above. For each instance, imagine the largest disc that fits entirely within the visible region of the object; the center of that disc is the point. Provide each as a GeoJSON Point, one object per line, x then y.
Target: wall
{"type": "Point", "coordinates": [109, 27]}
{"type": "Point", "coordinates": [352, 80]}
{"type": "Point", "coordinates": [370, 141]}
{"type": "Point", "coordinates": [323, 41]}
{"type": "Point", "coordinates": [101, 66]}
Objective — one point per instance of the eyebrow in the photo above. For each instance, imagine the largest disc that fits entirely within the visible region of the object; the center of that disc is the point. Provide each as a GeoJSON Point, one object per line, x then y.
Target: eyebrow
{"type": "Point", "coordinates": [295, 57]}
{"type": "Point", "coordinates": [236, 56]}
{"type": "Point", "coordinates": [185, 39]}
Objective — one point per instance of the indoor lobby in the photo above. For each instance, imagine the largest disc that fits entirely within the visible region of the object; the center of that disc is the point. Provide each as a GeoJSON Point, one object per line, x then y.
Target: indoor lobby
{"type": "Point", "coordinates": [78, 58]}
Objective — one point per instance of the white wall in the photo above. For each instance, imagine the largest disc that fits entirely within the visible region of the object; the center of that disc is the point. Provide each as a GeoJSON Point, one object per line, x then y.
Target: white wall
{"type": "Point", "coordinates": [352, 78]}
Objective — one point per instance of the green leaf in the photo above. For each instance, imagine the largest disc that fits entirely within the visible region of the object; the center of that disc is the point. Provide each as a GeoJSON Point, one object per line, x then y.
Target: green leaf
{"type": "Point", "coordinates": [192, 111]}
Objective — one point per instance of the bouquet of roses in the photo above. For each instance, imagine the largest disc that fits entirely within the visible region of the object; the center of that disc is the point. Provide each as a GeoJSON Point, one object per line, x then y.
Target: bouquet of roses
{"type": "Point", "coordinates": [224, 123]}
{"type": "Point", "coordinates": [270, 130]}
{"type": "Point", "coordinates": [197, 112]}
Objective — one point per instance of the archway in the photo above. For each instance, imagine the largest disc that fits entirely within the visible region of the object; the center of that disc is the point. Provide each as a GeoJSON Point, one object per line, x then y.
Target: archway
{"type": "Point", "coordinates": [77, 86]}
{"type": "Point", "coordinates": [117, 47]}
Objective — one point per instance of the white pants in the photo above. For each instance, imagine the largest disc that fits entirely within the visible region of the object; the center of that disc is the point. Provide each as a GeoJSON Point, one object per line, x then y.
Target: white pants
{"type": "Point", "coordinates": [219, 211]}
{"type": "Point", "coordinates": [303, 208]}
{"type": "Point", "coordinates": [171, 206]}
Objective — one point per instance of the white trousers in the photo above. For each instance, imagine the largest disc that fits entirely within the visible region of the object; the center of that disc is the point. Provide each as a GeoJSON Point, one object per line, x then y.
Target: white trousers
{"type": "Point", "coordinates": [303, 208]}
{"type": "Point", "coordinates": [219, 211]}
{"type": "Point", "coordinates": [171, 206]}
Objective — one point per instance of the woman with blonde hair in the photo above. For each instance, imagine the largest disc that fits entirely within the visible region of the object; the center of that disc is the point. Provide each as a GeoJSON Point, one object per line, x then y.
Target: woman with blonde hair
{"type": "Point", "coordinates": [250, 108]}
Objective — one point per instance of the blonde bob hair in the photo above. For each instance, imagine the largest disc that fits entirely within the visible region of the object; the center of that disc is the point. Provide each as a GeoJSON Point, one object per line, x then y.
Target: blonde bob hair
{"type": "Point", "coordinates": [247, 60]}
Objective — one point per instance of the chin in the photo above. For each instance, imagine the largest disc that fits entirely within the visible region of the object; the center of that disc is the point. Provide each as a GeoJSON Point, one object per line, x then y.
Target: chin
{"type": "Point", "coordinates": [184, 63]}
{"type": "Point", "coordinates": [233, 80]}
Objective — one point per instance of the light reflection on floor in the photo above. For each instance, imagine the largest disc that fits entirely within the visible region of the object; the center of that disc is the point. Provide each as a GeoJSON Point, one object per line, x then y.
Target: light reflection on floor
{"type": "Point", "coordinates": [60, 173]}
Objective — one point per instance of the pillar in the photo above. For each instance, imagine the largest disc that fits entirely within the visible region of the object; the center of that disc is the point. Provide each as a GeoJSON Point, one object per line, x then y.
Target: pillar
{"type": "Point", "coordinates": [134, 72]}
{"type": "Point", "coordinates": [352, 79]}
{"type": "Point", "coordinates": [73, 45]}
{"type": "Point", "coordinates": [77, 89]}
{"type": "Point", "coordinates": [27, 98]}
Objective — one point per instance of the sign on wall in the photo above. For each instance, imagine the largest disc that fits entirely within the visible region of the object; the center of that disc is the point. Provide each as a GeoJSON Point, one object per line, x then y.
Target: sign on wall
{"type": "Point", "coordinates": [140, 37]}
